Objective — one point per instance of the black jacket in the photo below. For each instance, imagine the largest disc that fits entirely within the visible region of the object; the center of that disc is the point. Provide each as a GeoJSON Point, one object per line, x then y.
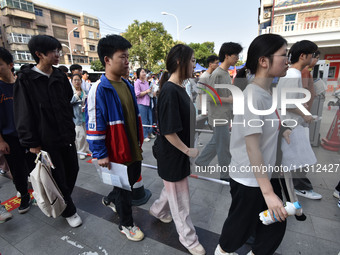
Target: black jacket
{"type": "Point", "coordinates": [42, 110]}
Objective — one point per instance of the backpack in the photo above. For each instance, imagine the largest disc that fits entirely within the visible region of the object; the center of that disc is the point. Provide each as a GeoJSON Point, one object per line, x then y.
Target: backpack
{"type": "Point", "coordinates": [46, 191]}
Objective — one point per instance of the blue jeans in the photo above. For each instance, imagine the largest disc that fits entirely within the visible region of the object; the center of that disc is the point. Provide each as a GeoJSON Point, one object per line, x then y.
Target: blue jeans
{"type": "Point", "coordinates": [146, 115]}
{"type": "Point", "coordinates": [218, 145]}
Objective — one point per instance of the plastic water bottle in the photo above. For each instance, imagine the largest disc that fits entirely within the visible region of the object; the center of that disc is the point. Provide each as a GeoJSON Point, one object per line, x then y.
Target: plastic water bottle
{"type": "Point", "coordinates": [290, 208]}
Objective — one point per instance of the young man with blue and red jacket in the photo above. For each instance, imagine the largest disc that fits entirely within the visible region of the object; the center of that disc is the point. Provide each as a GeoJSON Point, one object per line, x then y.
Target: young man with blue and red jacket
{"type": "Point", "coordinates": [114, 127]}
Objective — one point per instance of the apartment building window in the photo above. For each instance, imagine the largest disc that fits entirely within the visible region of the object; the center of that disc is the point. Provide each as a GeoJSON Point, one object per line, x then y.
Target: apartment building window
{"type": "Point", "coordinates": [79, 47]}
{"type": "Point", "coordinates": [18, 4]}
{"type": "Point", "coordinates": [41, 29]}
{"type": "Point", "coordinates": [290, 21]}
{"type": "Point", "coordinates": [92, 47]}
{"type": "Point", "coordinates": [79, 59]}
{"type": "Point", "coordinates": [58, 18]}
{"type": "Point", "coordinates": [98, 35]}
{"type": "Point", "coordinates": [76, 34]}
{"type": "Point", "coordinates": [18, 38]}
{"type": "Point", "coordinates": [60, 33]}
{"type": "Point", "coordinates": [25, 24]}
{"type": "Point", "coordinates": [22, 55]}
{"type": "Point", "coordinates": [38, 12]}
{"type": "Point", "coordinates": [91, 35]}
{"type": "Point", "coordinates": [75, 21]}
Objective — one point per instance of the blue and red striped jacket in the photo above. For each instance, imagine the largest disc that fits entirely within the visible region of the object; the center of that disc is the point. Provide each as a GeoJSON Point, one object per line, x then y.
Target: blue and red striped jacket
{"type": "Point", "coordinates": [105, 123]}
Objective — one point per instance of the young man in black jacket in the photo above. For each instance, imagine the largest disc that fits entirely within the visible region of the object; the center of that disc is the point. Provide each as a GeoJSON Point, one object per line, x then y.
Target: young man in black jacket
{"type": "Point", "coordinates": [44, 117]}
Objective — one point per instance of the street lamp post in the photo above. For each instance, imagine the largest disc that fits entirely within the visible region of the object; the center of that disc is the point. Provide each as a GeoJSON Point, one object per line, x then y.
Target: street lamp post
{"type": "Point", "coordinates": [187, 27]}
{"type": "Point", "coordinates": [69, 43]}
{"type": "Point", "coordinates": [170, 14]}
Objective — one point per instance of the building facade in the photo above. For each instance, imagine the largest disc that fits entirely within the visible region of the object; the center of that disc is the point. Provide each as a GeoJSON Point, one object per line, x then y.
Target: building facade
{"type": "Point", "coordinates": [78, 33]}
{"type": "Point", "coordinates": [314, 20]}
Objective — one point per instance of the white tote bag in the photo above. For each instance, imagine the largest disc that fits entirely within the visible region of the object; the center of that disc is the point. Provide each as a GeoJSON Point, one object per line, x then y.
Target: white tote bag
{"type": "Point", "coordinates": [299, 152]}
{"type": "Point", "coordinates": [46, 191]}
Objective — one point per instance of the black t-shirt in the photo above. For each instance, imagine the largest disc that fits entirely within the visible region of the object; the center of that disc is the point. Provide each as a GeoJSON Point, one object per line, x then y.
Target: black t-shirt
{"type": "Point", "coordinates": [176, 114]}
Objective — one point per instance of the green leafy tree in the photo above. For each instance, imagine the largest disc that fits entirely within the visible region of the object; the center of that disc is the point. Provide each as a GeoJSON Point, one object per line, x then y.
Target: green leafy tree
{"type": "Point", "coordinates": [239, 63]}
{"type": "Point", "coordinates": [203, 51]}
{"type": "Point", "coordinates": [97, 65]}
{"type": "Point", "coordinates": [150, 44]}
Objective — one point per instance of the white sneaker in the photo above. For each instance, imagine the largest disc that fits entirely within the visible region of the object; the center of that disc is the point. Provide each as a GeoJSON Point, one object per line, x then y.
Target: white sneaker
{"type": "Point", "coordinates": [132, 233]}
{"type": "Point", "coordinates": [4, 214]}
{"type": "Point", "coordinates": [336, 194]}
{"type": "Point", "coordinates": [152, 136]}
{"type": "Point", "coordinates": [147, 139]}
{"type": "Point", "coordinates": [218, 251]}
{"type": "Point", "coordinates": [308, 194]}
{"type": "Point", "coordinates": [81, 156]}
{"type": "Point", "coordinates": [74, 221]}
{"type": "Point", "coordinates": [166, 219]}
{"type": "Point", "coordinates": [197, 250]}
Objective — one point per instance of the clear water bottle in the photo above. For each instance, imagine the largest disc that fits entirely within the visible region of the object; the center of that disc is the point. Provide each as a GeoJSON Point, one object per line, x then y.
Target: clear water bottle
{"type": "Point", "coordinates": [290, 208]}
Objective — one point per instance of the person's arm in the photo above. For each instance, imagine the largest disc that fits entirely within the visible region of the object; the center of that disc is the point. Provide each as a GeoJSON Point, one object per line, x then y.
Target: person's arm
{"type": "Point", "coordinates": [219, 80]}
{"type": "Point", "coordinates": [273, 202]}
{"type": "Point", "coordinates": [4, 147]}
{"type": "Point", "coordinates": [177, 142]}
{"type": "Point", "coordinates": [24, 118]}
{"type": "Point", "coordinates": [297, 111]}
{"type": "Point", "coordinates": [96, 127]}
{"type": "Point", "coordinates": [138, 91]}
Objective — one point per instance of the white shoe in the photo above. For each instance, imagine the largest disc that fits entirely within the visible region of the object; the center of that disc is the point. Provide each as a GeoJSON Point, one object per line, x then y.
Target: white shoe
{"type": "Point", "coordinates": [132, 233]}
{"type": "Point", "coordinates": [147, 139]}
{"type": "Point", "coordinates": [336, 194]}
{"type": "Point", "coordinates": [197, 250]}
{"type": "Point", "coordinates": [308, 194]}
{"type": "Point", "coordinates": [74, 221]}
{"type": "Point", "coordinates": [152, 136]}
{"type": "Point", "coordinates": [218, 251]}
{"type": "Point", "coordinates": [81, 156]}
{"type": "Point", "coordinates": [18, 194]}
{"type": "Point", "coordinates": [166, 219]}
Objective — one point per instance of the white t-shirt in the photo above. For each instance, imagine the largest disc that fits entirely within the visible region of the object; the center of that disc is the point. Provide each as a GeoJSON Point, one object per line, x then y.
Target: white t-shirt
{"type": "Point", "coordinates": [240, 170]}
{"type": "Point", "coordinates": [291, 80]}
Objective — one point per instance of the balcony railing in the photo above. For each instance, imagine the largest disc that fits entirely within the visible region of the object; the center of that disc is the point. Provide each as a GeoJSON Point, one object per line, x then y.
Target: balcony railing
{"type": "Point", "coordinates": [304, 27]}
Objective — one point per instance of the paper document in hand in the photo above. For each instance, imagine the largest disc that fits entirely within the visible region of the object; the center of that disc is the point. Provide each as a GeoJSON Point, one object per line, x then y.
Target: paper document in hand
{"type": "Point", "coordinates": [299, 152]}
{"type": "Point", "coordinates": [117, 176]}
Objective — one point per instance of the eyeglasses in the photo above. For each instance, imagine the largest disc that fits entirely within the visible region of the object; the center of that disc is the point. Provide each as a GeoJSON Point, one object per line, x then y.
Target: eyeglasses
{"type": "Point", "coordinates": [57, 52]}
{"type": "Point", "coordinates": [287, 56]}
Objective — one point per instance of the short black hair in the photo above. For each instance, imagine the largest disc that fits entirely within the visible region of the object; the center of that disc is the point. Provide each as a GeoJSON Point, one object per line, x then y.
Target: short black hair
{"type": "Point", "coordinates": [109, 44]}
{"type": "Point", "coordinates": [301, 47]}
{"type": "Point", "coordinates": [229, 49]}
{"type": "Point", "coordinates": [6, 56]}
{"type": "Point", "coordinates": [64, 69]}
{"type": "Point", "coordinates": [42, 44]}
{"type": "Point", "coordinates": [85, 72]}
{"type": "Point", "coordinates": [75, 67]}
{"type": "Point", "coordinates": [211, 59]}
{"type": "Point", "coordinates": [139, 70]}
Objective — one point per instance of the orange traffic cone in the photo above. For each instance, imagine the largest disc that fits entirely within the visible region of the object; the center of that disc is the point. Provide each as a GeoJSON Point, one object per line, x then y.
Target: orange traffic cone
{"type": "Point", "coordinates": [140, 195]}
{"type": "Point", "coordinates": [332, 141]}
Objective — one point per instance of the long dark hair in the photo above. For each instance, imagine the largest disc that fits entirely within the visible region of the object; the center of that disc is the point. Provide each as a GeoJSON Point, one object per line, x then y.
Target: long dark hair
{"type": "Point", "coordinates": [178, 57]}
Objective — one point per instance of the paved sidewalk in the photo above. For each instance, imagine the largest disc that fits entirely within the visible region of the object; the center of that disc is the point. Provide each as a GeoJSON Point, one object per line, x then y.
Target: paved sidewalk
{"type": "Point", "coordinates": [33, 233]}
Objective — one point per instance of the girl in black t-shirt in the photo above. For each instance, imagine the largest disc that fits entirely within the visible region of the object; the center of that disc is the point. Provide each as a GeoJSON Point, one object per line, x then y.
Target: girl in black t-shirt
{"type": "Point", "coordinates": [176, 119]}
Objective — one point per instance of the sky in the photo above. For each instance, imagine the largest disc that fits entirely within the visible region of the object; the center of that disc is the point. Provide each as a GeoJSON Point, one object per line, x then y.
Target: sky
{"type": "Point", "coordinates": [216, 21]}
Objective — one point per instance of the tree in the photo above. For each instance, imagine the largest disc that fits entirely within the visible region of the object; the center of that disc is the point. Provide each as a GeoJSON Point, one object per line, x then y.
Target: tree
{"type": "Point", "coordinates": [97, 65]}
{"type": "Point", "coordinates": [203, 51]}
{"type": "Point", "coordinates": [150, 44]}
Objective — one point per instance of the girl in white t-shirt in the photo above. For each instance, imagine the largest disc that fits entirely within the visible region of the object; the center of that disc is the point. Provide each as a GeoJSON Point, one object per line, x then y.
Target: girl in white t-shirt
{"type": "Point", "coordinates": [253, 147]}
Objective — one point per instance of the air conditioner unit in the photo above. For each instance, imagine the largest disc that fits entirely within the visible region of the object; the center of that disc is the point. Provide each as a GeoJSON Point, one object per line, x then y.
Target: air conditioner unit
{"type": "Point", "coordinates": [82, 52]}
{"type": "Point", "coordinates": [75, 50]}
{"type": "Point", "coordinates": [267, 15]}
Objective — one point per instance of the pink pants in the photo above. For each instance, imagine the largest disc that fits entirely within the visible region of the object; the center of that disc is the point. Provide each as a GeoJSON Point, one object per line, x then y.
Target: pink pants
{"type": "Point", "coordinates": [175, 199]}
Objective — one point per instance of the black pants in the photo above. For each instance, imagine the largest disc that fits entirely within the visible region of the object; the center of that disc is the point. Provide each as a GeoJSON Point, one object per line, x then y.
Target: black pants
{"type": "Point", "coordinates": [65, 173]}
{"type": "Point", "coordinates": [338, 187]}
{"type": "Point", "coordinates": [243, 219]}
{"type": "Point", "coordinates": [300, 180]}
{"type": "Point", "coordinates": [123, 198]}
{"type": "Point", "coordinates": [20, 162]}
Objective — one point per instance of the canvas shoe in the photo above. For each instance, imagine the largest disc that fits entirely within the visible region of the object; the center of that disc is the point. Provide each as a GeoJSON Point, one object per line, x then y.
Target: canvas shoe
{"type": "Point", "coordinates": [218, 251]}
{"type": "Point", "coordinates": [4, 214]}
{"type": "Point", "coordinates": [197, 250]}
{"type": "Point", "coordinates": [25, 204]}
{"type": "Point", "coordinates": [111, 205]}
{"type": "Point", "coordinates": [147, 139]}
{"type": "Point", "coordinates": [74, 221]}
{"type": "Point", "coordinates": [166, 219]}
{"type": "Point", "coordinates": [336, 194]}
{"type": "Point", "coordinates": [308, 194]}
{"type": "Point", "coordinates": [132, 233]}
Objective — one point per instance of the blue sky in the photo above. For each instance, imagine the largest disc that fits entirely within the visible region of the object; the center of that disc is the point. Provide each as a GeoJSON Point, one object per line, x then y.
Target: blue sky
{"type": "Point", "coordinates": [217, 20]}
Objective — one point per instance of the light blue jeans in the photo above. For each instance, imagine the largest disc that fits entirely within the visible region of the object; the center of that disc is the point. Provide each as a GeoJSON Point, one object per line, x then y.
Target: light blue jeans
{"type": "Point", "coordinates": [146, 115]}
{"type": "Point", "coordinates": [218, 145]}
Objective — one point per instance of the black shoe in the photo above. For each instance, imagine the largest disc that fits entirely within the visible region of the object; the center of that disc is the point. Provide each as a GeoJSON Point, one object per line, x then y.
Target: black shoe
{"type": "Point", "coordinates": [25, 204]}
